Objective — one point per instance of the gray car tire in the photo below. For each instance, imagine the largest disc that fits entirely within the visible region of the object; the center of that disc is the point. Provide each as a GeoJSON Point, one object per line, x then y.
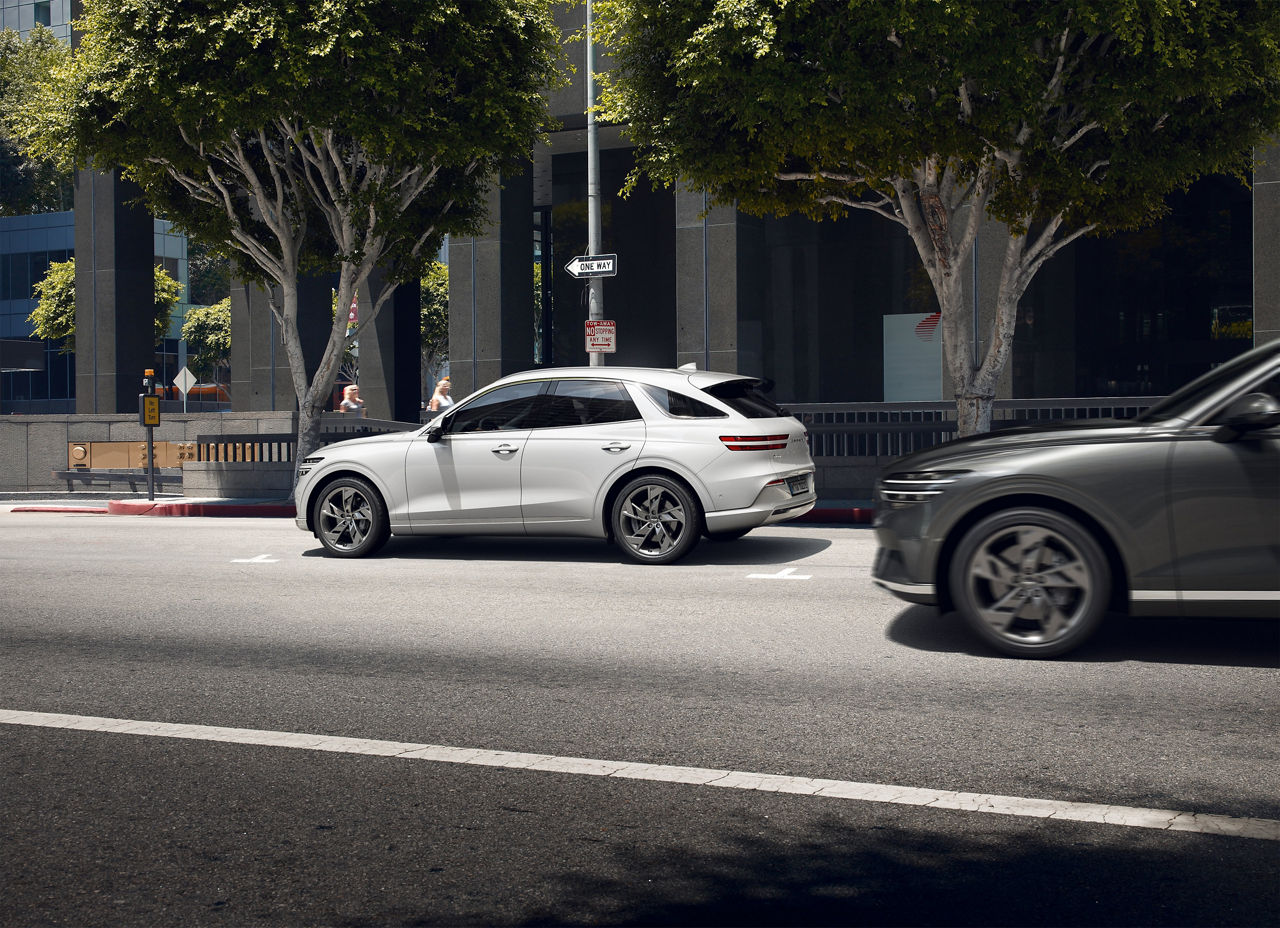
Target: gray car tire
{"type": "Point", "coordinates": [350, 518]}
{"type": "Point", "coordinates": [656, 520]}
{"type": "Point", "coordinates": [1030, 582]}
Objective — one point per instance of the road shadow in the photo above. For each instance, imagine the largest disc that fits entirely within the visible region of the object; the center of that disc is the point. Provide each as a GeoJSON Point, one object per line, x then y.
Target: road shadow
{"type": "Point", "coordinates": [835, 873]}
{"type": "Point", "coordinates": [291, 838]}
{"type": "Point", "coordinates": [1214, 642]}
{"type": "Point", "coordinates": [743, 552]}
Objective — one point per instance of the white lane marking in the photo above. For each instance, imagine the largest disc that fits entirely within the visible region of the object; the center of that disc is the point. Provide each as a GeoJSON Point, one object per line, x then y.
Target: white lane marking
{"type": "Point", "coordinates": [260, 559]}
{"type": "Point", "coordinates": [1162, 819]}
{"type": "Point", "coordinates": [787, 573]}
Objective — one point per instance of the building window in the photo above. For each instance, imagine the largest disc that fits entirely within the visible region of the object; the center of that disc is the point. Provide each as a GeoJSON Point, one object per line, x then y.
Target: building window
{"type": "Point", "coordinates": [44, 13]}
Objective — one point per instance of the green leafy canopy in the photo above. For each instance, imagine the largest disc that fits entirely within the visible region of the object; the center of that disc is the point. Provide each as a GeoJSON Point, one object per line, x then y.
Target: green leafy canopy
{"type": "Point", "coordinates": [1095, 109]}
{"type": "Point", "coordinates": [54, 316]}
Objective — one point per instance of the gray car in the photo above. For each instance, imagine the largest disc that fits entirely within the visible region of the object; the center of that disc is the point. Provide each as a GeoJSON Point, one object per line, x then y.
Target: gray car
{"type": "Point", "coordinates": [1034, 534]}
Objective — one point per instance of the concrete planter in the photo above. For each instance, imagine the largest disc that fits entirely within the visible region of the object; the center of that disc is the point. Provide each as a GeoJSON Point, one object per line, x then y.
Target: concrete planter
{"type": "Point", "coordinates": [237, 479]}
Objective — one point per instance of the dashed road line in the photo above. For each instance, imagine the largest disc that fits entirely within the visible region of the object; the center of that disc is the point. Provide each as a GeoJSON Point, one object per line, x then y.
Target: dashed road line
{"type": "Point", "coordinates": [1127, 816]}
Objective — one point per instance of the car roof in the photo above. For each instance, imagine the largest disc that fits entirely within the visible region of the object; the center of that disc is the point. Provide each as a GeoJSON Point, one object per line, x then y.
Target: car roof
{"type": "Point", "coordinates": [659, 376]}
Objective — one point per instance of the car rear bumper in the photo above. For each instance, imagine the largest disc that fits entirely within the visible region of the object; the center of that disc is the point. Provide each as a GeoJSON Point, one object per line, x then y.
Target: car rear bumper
{"type": "Point", "coordinates": [774, 504]}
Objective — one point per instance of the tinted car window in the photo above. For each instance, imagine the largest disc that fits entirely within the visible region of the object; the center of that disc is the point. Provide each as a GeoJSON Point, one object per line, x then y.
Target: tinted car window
{"type": "Point", "coordinates": [505, 408]}
{"type": "Point", "coordinates": [681, 406]}
{"type": "Point", "coordinates": [585, 402]}
{"type": "Point", "coordinates": [744, 396]}
{"type": "Point", "coordinates": [1181, 402]}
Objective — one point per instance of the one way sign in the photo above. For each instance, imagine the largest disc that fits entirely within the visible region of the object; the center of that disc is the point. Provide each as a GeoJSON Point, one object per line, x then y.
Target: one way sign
{"type": "Point", "coordinates": [593, 266]}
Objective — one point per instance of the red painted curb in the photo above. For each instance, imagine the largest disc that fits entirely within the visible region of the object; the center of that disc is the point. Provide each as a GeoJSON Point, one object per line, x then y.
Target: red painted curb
{"type": "Point", "coordinates": [229, 510]}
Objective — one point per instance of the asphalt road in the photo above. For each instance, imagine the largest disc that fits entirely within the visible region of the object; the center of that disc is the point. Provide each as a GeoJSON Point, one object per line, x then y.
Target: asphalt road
{"type": "Point", "coordinates": [770, 655]}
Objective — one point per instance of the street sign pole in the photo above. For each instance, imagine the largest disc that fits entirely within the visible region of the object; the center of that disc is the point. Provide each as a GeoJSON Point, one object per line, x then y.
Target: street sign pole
{"type": "Point", "coordinates": [595, 298]}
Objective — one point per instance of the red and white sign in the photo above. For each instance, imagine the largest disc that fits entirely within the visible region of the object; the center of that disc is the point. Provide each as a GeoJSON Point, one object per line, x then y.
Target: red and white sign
{"type": "Point", "coordinates": [602, 336]}
{"type": "Point", "coordinates": [353, 314]}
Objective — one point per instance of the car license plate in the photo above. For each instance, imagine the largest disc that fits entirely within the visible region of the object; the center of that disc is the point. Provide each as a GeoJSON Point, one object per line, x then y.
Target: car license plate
{"type": "Point", "coordinates": [798, 485]}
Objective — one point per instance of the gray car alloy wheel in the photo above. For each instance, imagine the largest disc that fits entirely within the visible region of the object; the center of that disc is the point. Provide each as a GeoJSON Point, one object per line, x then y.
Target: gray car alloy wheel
{"type": "Point", "coordinates": [350, 518]}
{"type": "Point", "coordinates": [1031, 582]}
{"type": "Point", "coordinates": [656, 520]}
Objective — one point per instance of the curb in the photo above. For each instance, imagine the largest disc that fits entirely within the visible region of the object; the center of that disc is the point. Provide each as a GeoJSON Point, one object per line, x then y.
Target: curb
{"type": "Point", "coordinates": [95, 510]}
{"type": "Point", "coordinates": [227, 508]}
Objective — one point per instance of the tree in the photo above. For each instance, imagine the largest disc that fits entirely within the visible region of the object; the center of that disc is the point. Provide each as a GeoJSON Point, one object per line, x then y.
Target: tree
{"type": "Point", "coordinates": [28, 184]}
{"type": "Point", "coordinates": [208, 273]}
{"type": "Point", "coordinates": [434, 327]}
{"type": "Point", "coordinates": [1057, 119]}
{"type": "Point", "coordinates": [308, 136]}
{"type": "Point", "coordinates": [54, 317]}
{"type": "Point", "coordinates": [207, 331]}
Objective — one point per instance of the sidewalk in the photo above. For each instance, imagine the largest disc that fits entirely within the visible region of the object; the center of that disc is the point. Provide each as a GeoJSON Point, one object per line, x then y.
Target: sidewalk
{"type": "Point", "coordinates": [833, 512]}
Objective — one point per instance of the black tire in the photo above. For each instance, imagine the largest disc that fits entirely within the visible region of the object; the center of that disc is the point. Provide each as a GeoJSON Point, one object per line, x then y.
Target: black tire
{"type": "Point", "coordinates": [350, 518]}
{"type": "Point", "coordinates": [656, 520]}
{"type": "Point", "coordinates": [1031, 582]}
{"type": "Point", "coordinates": [732, 535]}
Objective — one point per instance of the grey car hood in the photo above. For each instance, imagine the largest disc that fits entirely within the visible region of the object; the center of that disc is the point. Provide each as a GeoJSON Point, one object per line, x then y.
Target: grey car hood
{"type": "Point", "coordinates": [1021, 438]}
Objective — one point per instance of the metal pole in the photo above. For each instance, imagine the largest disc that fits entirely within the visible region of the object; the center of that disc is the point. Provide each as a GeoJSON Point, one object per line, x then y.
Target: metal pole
{"type": "Point", "coordinates": [595, 300]}
{"type": "Point", "coordinates": [151, 464]}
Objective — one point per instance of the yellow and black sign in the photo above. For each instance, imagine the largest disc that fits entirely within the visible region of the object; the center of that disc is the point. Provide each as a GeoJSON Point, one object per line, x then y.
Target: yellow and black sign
{"type": "Point", "coordinates": [148, 409]}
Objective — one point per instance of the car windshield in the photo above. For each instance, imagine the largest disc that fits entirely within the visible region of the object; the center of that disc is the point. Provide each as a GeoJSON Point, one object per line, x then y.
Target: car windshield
{"type": "Point", "coordinates": [1180, 403]}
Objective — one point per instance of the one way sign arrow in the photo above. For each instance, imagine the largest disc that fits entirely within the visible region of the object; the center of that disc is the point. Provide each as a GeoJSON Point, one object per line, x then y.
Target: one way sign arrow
{"type": "Point", "coordinates": [593, 266]}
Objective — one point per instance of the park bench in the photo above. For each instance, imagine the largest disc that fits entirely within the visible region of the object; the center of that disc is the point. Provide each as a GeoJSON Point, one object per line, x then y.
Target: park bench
{"type": "Point", "coordinates": [136, 477]}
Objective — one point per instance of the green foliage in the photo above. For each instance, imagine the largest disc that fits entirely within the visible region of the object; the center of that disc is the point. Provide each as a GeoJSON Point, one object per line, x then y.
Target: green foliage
{"type": "Point", "coordinates": [1058, 119]}
{"type": "Point", "coordinates": [435, 314]}
{"type": "Point", "coordinates": [208, 273]}
{"type": "Point", "coordinates": [168, 293]}
{"type": "Point", "coordinates": [306, 136]}
{"type": "Point", "coordinates": [28, 184]}
{"type": "Point", "coordinates": [54, 316]}
{"type": "Point", "coordinates": [239, 89]}
{"type": "Point", "coordinates": [207, 331]}
{"type": "Point", "coordinates": [1090, 109]}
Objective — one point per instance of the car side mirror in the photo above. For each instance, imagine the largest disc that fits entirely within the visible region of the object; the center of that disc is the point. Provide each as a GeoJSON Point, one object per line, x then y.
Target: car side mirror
{"type": "Point", "coordinates": [1249, 413]}
{"type": "Point", "coordinates": [435, 433]}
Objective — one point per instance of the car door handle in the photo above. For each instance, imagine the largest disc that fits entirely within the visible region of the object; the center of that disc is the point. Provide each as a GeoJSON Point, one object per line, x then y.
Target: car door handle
{"type": "Point", "coordinates": [615, 447]}
{"type": "Point", "coordinates": [505, 449]}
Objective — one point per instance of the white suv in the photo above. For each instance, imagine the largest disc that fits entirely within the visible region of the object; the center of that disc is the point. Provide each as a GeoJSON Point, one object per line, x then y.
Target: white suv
{"type": "Point", "coordinates": [650, 458]}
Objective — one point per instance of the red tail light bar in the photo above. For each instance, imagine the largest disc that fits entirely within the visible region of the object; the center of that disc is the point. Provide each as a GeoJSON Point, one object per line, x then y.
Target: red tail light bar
{"type": "Point", "coordinates": [755, 442]}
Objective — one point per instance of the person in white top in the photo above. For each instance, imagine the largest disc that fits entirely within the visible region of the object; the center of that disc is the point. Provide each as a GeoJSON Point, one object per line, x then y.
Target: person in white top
{"type": "Point", "coordinates": [441, 398]}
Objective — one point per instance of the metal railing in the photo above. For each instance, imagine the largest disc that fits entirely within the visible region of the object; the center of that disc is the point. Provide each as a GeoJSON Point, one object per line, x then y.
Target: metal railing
{"type": "Point", "coordinates": [281, 446]}
{"type": "Point", "coordinates": [894, 429]}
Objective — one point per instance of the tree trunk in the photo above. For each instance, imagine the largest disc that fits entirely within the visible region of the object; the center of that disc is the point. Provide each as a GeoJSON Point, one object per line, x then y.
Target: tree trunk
{"type": "Point", "coordinates": [974, 380]}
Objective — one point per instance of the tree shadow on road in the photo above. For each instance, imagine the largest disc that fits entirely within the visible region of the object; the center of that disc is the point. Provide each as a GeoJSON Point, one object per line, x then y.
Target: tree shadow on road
{"type": "Point", "coordinates": [1219, 642]}
{"type": "Point", "coordinates": [837, 874]}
